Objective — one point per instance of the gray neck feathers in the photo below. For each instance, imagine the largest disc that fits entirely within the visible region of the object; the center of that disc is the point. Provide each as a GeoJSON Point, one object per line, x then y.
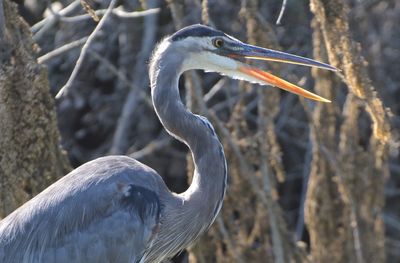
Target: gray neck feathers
{"type": "Point", "coordinates": [207, 190]}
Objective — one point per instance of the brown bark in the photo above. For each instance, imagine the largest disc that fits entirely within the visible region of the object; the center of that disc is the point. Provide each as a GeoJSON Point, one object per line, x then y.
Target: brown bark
{"type": "Point", "coordinates": [346, 198]}
{"type": "Point", "coordinates": [325, 212]}
{"type": "Point", "coordinates": [30, 154]}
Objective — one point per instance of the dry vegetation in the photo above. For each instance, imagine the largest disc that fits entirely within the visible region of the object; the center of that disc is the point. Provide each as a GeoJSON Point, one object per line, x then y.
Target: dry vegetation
{"type": "Point", "coordinates": [308, 182]}
{"type": "Point", "coordinates": [30, 154]}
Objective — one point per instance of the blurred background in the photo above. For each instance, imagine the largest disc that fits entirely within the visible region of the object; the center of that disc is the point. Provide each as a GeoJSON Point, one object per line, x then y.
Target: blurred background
{"type": "Point", "coordinates": [308, 182]}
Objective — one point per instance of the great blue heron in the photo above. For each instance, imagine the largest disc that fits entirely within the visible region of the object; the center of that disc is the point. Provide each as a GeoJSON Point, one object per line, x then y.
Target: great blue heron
{"type": "Point", "coordinates": [115, 209]}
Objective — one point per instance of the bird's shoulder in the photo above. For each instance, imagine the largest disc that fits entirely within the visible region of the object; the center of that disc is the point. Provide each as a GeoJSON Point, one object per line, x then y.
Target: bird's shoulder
{"type": "Point", "coordinates": [110, 206]}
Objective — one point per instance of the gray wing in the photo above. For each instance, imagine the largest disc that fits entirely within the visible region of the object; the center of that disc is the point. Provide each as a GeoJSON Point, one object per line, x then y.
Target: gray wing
{"type": "Point", "coordinates": [107, 210]}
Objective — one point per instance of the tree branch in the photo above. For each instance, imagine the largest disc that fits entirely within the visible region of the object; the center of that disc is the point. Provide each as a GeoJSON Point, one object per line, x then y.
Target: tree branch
{"type": "Point", "coordinates": [140, 79]}
{"type": "Point", "coordinates": [64, 90]}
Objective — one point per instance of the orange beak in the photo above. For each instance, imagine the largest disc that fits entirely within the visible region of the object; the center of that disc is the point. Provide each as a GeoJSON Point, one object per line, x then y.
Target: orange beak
{"type": "Point", "coordinates": [242, 50]}
{"type": "Point", "coordinates": [280, 83]}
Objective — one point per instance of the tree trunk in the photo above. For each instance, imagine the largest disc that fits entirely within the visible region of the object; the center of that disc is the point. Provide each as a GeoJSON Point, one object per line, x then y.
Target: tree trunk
{"type": "Point", "coordinates": [346, 195]}
{"type": "Point", "coordinates": [30, 154]}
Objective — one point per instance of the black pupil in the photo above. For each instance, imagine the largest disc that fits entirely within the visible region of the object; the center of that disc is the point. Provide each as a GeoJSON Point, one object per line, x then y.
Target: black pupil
{"type": "Point", "coordinates": [219, 42]}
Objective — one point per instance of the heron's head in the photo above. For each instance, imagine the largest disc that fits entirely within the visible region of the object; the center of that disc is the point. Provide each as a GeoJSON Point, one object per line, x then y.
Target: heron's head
{"type": "Point", "coordinates": [212, 50]}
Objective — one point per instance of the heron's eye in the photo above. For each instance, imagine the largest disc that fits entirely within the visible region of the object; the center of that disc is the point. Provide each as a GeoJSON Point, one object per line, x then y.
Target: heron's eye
{"type": "Point", "coordinates": [218, 42]}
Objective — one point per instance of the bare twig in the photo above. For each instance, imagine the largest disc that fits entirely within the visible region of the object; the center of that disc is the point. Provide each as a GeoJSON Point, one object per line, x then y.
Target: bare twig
{"type": "Point", "coordinates": [229, 102]}
{"type": "Point", "coordinates": [278, 21]}
{"type": "Point", "coordinates": [64, 90]}
{"type": "Point", "coordinates": [287, 107]}
{"type": "Point", "coordinates": [118, 12]}
{"type": "Point", "coordinates": [265, 124]}
{"type": "Point", "coordinates": [42, 26]}
{"type": "Point", "coordinates": [50, 8]}
{"type": "Point", "coordinates": [121, 76]}
{"type": "Point", "coordinates": [62, 12]}
{"type": "Point", "coordinates": [306, 174]}
{"type": "Point", "coordinates": [267, 109]}
{"type": "Point", "coordinates": [230, 242]}
{"type": "Point", "coordinates": [349, 134]}
{"type": "Point", "coordinates": [205, 16]}
{"type": "Point", "coordinates": [140, 81]}
{"type": "Point", "coordinates": [65, 48]}
{"type": "Point", "coordinates": [277, 240]}
{"type": "Point", "coordinates": [86, 5]}
{"type": "Point", "coordinates": [176, 12]}
{"type": "Point", "coordinates": [75, 44]}
{"type": "Point", "coordinates": [61, 50]}
{"type": "Point", "coordinates": [151, 147]}
{"type": "Point", "coordinates": [215, 89]}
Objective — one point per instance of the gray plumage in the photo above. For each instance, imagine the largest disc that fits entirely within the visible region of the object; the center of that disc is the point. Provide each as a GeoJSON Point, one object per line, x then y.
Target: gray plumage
{"type": "Point", "coordinates": [91, 214]}
{"type": "Point", "coordinates": [115, 209]}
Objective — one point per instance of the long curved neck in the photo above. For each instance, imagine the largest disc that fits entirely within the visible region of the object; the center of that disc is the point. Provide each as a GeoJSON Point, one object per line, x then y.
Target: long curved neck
{"type": "Point", "coordinates": [206, 192]}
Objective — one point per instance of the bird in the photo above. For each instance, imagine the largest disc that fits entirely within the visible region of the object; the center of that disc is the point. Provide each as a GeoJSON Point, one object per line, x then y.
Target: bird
{"type": "Point", "coordinates": [116, 209]}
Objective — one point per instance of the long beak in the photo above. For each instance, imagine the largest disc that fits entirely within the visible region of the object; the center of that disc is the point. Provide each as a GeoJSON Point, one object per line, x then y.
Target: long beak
{"type": "Point", "coordinates": [253, 52]}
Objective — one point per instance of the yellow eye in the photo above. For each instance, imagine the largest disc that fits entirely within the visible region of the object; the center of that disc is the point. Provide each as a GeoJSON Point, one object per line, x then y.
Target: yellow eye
{"type": "Point", "coordinates": [218, 42]}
